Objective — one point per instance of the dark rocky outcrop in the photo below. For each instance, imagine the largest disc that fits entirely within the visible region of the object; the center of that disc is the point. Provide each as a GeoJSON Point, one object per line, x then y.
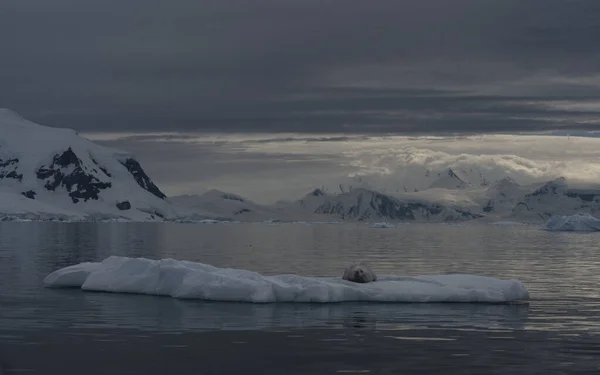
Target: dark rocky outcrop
{"type": "Point", "coordinates": [29, 194]}
{"type": "Point", "coordinates": [489, 207]}
{"type": "Point", "coordinates": [123, 206]}
{"type": "Point", "coordinates": [232, 197]}
{"type": "Point", "coordinates": [8, 169]}
{"type": "Point", "coordinates": [243, 210]}
{"type": "Point", "coordinates": [103, 169]}
{"type": "Point", "coordinates": [13, 175]}
{"type": "Point", "coordinates": [317, 193]}
{"type": "Point", "coordinates": [6, 163]}
{"type": "Point", "coordinates": [587, 195]}
{"type": "Point", "coordinates": [79, 183]}
{"type": "Point", "coordinates": [134, 167]}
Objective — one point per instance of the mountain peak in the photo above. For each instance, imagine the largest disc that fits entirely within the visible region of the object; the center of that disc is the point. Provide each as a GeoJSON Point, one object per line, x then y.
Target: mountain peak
{"type": "Point", "coordinates": [556, 186]}
{"type": "Point", "coordinates": [56, 168]}
{"type": "Point", "coordinates": [452, 174]}
{"type": "Point", "coordinates": [449, 180]}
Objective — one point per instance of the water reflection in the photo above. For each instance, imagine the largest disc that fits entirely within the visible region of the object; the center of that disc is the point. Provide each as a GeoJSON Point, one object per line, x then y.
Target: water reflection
{"type": "Point", "coordinates": [104, 310]}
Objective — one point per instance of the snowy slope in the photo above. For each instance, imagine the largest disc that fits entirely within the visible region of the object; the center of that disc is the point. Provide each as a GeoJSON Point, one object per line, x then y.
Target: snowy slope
{"type": "Point", "coordinates": [227, 206]}
{"type": "Point", "coordinates": [556, 198]}
{"type": "Point", "coordinates": [449, 180]}
{"type": "Point", "coordinates": [54, 171]}
{"type": "Point", "coordinates": [501, 197]}
{"type": "Point", "coordinates": [573, 223]}
{"type": "Point", "coordinates": [370, 205]}
{"type": "Point", "coordinates": [310, 202]}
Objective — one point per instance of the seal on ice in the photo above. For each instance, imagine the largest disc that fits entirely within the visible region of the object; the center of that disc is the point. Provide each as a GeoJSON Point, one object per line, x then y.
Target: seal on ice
{"type": "Point", "coordinates": [359, 273]}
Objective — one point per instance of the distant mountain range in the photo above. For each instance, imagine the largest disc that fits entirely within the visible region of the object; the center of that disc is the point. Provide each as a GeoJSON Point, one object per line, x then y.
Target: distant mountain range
{"type": "Point", "coordinates": [502, 200]}
{"type": "Point", "coordinates": [55, 174]}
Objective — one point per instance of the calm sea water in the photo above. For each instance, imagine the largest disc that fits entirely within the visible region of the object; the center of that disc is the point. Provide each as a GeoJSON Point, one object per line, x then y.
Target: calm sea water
{"type": "Point", "coordinates": [561, 271]}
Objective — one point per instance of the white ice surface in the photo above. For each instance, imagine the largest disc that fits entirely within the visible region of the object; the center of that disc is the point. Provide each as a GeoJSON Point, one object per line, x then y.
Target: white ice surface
{"type": "Point", "coordinates": [184, 279]}
{"type": "Point", "coordinates": [573, 223]}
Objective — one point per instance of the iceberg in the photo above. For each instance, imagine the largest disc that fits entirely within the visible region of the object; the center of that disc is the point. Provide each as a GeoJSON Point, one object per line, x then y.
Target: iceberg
{"type": "Point", "coordinates": [190, 280]}
{"type": "Point", "coordinates": [573, 223]}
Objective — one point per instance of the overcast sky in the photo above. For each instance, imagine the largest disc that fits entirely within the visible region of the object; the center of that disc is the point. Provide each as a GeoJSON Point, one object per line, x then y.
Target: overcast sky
{"type": "Point", "coordinates": [302, 65]}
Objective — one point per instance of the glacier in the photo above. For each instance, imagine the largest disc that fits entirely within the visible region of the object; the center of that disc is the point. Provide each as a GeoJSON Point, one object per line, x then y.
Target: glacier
{"type": "Point", "coordinates": [581, 222]}
{"type": "Point", "coordinates": [191, 280]}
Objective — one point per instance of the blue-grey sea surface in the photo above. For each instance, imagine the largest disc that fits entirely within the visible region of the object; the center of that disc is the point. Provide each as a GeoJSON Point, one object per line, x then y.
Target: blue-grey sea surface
{"type": "Point", "coordinates": [561, 271]}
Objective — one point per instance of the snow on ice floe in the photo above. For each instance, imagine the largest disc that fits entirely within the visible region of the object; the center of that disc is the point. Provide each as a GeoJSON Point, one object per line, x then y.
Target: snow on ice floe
{"type": "Point", "coordinates": [573, 223]}
{"type": "Point", "coordinates": [190, 280]}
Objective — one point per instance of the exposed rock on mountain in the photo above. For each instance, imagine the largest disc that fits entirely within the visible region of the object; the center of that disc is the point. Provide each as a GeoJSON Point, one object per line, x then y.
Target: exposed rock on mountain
{"type": "Point", "coordinates": [59, 171]}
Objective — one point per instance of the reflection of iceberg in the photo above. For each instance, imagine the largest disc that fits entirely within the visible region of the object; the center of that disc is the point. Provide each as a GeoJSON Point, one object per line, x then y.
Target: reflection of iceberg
{"type": "Point", "coordinates": [392, 316]}
{"type": "Point", "coordinates": [574, 223]}
{"type": "Point", "coordinates": [183, 279]}
{"type": "Point", "coordinates": [149, 313]}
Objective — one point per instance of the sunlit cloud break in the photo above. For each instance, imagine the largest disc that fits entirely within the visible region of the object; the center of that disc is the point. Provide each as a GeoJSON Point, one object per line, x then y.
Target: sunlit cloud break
{"type": "Point", "coordinates": [267, 167]}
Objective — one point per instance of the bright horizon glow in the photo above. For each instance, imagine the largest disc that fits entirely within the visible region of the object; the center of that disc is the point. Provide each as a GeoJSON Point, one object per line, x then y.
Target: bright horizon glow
{"type": "Point", "coordinates": [270, 167]}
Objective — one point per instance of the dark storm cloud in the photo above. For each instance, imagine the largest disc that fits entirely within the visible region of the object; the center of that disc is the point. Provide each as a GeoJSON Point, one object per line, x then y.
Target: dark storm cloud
{"type": "Point", "coordinates": [312, 65]}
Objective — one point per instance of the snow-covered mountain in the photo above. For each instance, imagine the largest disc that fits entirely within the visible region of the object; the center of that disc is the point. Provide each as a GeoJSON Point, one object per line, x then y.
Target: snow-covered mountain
{"type": "Point", "coordinates": [55, 173]}
{"type": "Point", "coordinates": [502, 196]}
{"type": "Point", "coordinates": [355, 205]}
{"type": "Point", "coordinates": [227, 206]}
{"type": "Point", "coordinates": [556, 198]}
{"type": "Point", "coordinates": [370, 205]}
{"type": "Point", "coordinates": [502, 200]}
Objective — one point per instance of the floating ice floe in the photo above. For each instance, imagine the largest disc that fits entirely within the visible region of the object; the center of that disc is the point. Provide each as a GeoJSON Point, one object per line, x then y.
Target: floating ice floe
{"type": "Point", "coordinates": [573, 223]}
{"type": "Point", "coordinates": [184, 279]}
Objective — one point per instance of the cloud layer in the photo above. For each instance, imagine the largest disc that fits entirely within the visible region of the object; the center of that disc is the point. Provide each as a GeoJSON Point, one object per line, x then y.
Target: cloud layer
{"type": "Point", "coordinates": [302, 66]}
{"type": "Point", "coordinates": [286, 166]}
